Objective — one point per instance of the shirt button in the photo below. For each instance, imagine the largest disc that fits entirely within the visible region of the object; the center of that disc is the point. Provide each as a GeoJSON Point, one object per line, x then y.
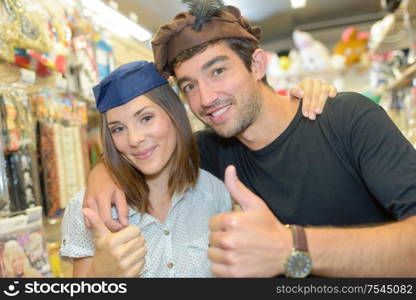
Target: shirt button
{"type": "Point", "coordinates": [170, 265]}
{"type": "Point", "coordinates": [166, 232]}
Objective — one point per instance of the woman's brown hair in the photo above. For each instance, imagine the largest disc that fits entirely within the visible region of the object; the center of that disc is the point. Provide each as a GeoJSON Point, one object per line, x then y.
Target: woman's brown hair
{"type": "Point", "coordinates": [185, 159]}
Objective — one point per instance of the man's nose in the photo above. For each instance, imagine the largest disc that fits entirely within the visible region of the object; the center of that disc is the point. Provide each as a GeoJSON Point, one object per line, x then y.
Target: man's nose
{"type": "Point", "coordinates": [207, 94]}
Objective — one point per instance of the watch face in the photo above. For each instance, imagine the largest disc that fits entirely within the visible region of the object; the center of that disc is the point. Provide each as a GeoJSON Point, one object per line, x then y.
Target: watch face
{"type": "Point", "coordinates": [299, 265]}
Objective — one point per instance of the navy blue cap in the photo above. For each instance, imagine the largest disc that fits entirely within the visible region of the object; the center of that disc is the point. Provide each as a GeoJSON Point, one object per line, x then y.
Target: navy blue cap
{"type": "Point", "coordinates": [125, 83]}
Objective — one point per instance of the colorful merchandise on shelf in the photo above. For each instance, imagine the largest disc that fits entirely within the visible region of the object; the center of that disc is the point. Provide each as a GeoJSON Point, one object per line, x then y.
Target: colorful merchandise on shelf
{"type": "Point", "coordinates": [60, 33]}
{"type": "Point", "coordinates": [50, 172]}
{"type": "Point", "coordinates": [104, 56]}
{"type": "Point", "coordinates": [23, 251]}
{"type": "Point", "coordinates": [6, 49]}
{"type": "Point", "coordinates": [4, 191]}
{"type": "Point", "coordinates": [314, 55]}
{"type": "Point", "coordinates": [95, 145]}
{"type": "Point", "coordinates": [27, 26]}
{"type": "Point", "coordinates": [11, 130]}
{"type": "Point", "coordinates": [62, 119]}
{"type": "Point", "coordinates": [55, 259]}
{"type": "Point", "coordinates": [284, 69]}
{"type": "Point", "coordinates": [352, 48]}
{"type": "Point", "coordinates": [20, 179]}
{"type": "Point", "coordinates": [85, 65]}
{"type": "Point", "coordinates": [17, 119]}
{"type": "Point", "coordinates": [20, 146]}
{"type": "Point", "coordinates": [85, 150]}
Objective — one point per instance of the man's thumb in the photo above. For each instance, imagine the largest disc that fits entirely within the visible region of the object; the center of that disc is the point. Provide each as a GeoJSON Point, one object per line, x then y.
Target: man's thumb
{"type": "Point", "coordinates": [97, 226]}
{"type": "Point", "coordinates": [240, 193]}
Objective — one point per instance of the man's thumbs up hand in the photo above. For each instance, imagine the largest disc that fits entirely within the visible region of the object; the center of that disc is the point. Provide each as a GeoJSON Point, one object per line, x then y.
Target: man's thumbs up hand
{"type": "Point", "coordinates": [120, 254]}
{"type": "Point", "coordinates": [240, 193]}
{"type": "Point", "coordinates": [248, 243]}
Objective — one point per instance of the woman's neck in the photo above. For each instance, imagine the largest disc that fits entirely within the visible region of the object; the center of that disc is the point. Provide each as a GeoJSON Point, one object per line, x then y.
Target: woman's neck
{"type": "Point", "coordinates": [159, 197]}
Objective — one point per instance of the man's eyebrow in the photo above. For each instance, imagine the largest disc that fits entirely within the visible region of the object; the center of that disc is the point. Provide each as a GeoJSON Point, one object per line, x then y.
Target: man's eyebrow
{"type": "Point", "coordinates": [182, 80]}
{"type": "Point", "coordinates": [207, 65]}
{"type": "Point", "coordinates": [214, 61]}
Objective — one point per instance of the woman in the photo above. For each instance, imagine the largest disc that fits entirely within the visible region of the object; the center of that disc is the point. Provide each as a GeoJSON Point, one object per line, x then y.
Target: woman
{"type": "Point", "coordinates": [149, 147]}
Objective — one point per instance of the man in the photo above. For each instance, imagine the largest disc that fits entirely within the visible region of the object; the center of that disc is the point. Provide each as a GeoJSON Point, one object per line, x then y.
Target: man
{"type": "Point", "coordinates": [313, 92]}
{"type": "Point", "coordinates": [347, 180]}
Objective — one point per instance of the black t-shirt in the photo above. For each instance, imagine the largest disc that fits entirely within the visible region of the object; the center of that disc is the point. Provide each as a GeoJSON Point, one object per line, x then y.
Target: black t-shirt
{"type": "Point", "coordinates": [350, 166]}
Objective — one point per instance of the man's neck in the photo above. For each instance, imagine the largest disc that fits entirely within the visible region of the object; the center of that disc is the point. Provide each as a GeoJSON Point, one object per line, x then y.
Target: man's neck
{"type": "Point", "coordinates": [275, 117]}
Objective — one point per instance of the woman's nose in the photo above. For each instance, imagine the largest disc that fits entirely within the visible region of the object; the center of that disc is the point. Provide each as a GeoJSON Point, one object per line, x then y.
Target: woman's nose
{"type": "Point", "coordinates": [136, 138]}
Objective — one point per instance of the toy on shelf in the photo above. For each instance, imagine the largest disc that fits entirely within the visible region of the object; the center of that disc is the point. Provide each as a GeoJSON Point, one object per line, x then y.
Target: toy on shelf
{"type": "Point", "coordinates": [351, 49]}
{"type": "Point", "coordinates": [313, 54]}
{"type": "Point", "coordinates": [283, 70]}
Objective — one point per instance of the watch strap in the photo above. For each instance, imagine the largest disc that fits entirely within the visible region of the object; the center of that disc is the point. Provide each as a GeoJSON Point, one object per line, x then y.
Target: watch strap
{"type": "Point", "coordinates": [300, 242]}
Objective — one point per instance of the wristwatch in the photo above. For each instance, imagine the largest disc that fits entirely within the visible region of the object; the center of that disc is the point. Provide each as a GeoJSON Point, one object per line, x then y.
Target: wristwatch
{"type": "Point", "coordinates": [299, 263]}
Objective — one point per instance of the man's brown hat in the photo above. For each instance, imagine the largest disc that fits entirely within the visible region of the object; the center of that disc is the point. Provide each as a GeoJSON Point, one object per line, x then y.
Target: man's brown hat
{"type": "Point", "coordinates": [206, 20]}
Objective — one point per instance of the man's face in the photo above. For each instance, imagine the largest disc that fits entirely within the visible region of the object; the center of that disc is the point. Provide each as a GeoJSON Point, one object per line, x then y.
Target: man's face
{"type": "Point", "coordinates": [220, 90]}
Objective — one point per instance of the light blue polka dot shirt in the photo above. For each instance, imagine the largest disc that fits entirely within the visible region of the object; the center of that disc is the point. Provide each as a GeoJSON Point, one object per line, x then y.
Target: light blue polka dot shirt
{"type": "Point", "coordinates": [176, 248]}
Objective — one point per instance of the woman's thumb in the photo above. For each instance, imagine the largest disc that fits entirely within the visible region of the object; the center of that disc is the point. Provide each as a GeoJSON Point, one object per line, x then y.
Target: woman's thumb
{"type": "Point", "coordinates": [97, 225]}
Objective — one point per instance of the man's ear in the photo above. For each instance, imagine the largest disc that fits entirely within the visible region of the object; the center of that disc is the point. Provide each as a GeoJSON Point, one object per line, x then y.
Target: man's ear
{"type": "Point", "coordinates": [259, 64]}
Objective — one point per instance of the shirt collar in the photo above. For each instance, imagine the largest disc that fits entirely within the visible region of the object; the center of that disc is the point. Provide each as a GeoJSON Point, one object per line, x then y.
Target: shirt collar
{"type": "Point", "coordinates": [143, 220]}
{"type": "Point", "coordinates": [177, 197]}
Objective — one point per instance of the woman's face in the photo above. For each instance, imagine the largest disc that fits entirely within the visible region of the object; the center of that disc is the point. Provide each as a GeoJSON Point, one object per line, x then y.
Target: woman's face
{"type": "Point", "coordinates": [17, 264]}
{"type": "Point", "coordinates": [143, 133]}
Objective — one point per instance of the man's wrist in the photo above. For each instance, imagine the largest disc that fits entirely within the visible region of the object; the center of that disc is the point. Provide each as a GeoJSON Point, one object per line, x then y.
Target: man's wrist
{"type": "Point", "coordinates": [283, 248]}
{"type": "Point", "coordinates": [299, 263]}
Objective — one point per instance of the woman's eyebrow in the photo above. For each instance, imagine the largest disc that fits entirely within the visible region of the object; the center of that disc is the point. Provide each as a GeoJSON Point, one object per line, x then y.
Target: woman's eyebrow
{"type": "Point", "coordinates": [135, 114]}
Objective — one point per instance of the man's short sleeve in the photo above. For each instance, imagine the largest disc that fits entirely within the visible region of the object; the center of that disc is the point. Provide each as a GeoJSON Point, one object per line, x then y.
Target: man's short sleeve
{"type": "Point", "coordinates": [385, 158]}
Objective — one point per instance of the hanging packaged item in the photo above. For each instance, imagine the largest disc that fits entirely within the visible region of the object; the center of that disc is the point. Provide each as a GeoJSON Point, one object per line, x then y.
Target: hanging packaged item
{"type": "Point", "coordinates": [59, 131]}
{"type": "Point", "coordinates": [27, 28]}
{"type": "Point", "coordinates": [20, 146]}
{"type": "Point", "coordinates": [49, 168]}
{"type": "Point", "coordinates": [23, 251]}
{"type": "Point", "coordinates": [62, 150]}
{"type": "Point", "coordinates": [85, 145]}
{"type": "Point", "coordinates": [12, 132]}
{"type": "Point", "coordinates": [21, 183]}
{"type": "Point", "coordinates": [104, 56]}
{"type": "Point", "coordinates": [34, 36]}
{"type": "Point", "coordinates": [6, 18]}
{"type": "Point", "coordinates": [4, 192]}
{"type": "Point", "coordinates": [17, 119]}
{"type": "Point", "coordinates": [85, 66]}
{"type": "Point", "coordinates": [60, 34]}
